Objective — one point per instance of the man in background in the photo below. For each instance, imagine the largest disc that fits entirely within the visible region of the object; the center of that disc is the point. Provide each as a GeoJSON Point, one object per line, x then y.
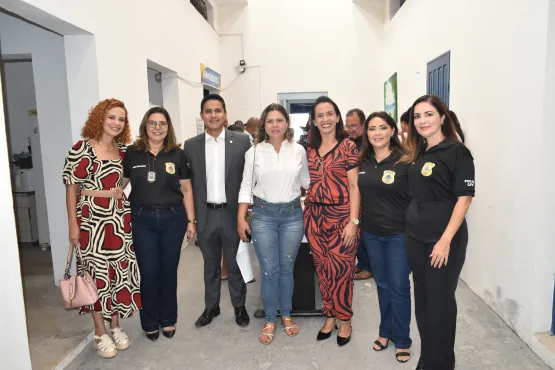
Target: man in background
{"type": "Point", "coordinates": [355, 127]}
{"type": "Point", "coordinates": [252, 127]}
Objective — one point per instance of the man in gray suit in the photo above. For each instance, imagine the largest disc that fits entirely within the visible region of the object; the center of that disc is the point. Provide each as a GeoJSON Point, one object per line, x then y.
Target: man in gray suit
{"type": "Point", "coordinates": [216, 159]}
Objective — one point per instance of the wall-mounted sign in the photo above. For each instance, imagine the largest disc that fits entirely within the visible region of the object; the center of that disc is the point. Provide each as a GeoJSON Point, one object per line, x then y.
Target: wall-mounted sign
{"type": "Point", "coordinates": [210, 77]}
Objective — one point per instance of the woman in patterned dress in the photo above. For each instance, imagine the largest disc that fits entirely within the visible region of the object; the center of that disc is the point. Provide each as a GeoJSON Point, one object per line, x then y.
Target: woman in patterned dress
{"type": "Point", "coordinates": [100, 221]}
{"type": "Point", "coordinates": [332, 208]}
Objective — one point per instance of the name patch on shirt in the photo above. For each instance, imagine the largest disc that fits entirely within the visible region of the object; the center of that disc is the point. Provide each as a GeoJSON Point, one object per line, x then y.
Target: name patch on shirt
{"type": "Point", "coordinates": [427, 169]}
{"type": "Point", "coordinates": [388, 177]}
{"type": "Point", "coordinates": [469, 183]}
{"type": "Point", "coordinates": [140, 166]}
{"type": "Point", "coordinates": [170, 168]}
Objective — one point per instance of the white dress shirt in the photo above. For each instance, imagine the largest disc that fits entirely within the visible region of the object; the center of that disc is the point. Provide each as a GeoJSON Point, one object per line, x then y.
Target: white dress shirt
{"type": "Point", "coordinates": [279, 177]}
{"type": "Point", "coordinates": [215, 168]}
{"type": "Point", "coordinates": [250, 136]}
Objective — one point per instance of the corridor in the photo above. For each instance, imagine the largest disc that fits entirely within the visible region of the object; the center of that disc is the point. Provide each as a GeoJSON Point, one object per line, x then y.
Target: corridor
{"type": "Point", "coordinates": [484, 341]}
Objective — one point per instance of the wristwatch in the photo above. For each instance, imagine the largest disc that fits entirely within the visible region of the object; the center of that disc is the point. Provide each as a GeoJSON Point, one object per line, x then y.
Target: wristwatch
{"type": "Point", "coordinates": [355, 221]}
{"type": "Point", "coordinates": [192, 221]}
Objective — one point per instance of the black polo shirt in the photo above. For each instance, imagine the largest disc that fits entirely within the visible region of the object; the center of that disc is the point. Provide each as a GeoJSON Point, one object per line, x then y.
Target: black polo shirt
{"type": "Point", "coordinates": [384, 191]}
{"type": "Point", "coordinates": [436, 179]}
{"type": "Point", "coordinates": [170, 167]}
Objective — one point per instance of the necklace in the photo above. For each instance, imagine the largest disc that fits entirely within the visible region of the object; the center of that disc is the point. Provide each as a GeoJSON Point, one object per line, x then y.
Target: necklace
{"type": "Point", "coordinates": [106, 149]}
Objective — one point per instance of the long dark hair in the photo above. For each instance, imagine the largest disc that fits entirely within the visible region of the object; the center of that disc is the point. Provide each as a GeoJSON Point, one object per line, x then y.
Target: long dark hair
{"type": "Point", "coordinates": [457, 125]}
{"type": "Point", "coordinates": [315, 136]}
{"type": "Point", "coordinates": [366, 149]}
{"type": "Point", "coordinates": [414, 141]}
{"type": "Point", "coordinates": [261, 134]}
{"type": "Point", "coordinates": [170, 142]}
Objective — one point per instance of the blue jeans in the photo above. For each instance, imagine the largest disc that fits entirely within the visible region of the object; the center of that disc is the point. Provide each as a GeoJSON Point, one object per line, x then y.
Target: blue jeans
{"type": "Point", "coordinates": [391, 269]}
{"type": "Point", "coordinates": [363, 262]}
{"type": "Point", "coordinates": [277, 233]}
{"type": "Point", "coordinates": [158, 235]}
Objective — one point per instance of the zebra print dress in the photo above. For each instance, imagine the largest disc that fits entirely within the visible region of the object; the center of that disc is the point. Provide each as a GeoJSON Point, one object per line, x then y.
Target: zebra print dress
{"type": "Point", "coordinates": [326, 213]}
{"type": "Point", "coordinates": [105, 232]}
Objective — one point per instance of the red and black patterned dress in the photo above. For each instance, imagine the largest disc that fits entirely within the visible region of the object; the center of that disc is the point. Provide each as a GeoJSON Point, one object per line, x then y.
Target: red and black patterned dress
{"type": "Point", "coordinates": [105, 232]}
{"type": "Point", "coordinates": [327, 212]}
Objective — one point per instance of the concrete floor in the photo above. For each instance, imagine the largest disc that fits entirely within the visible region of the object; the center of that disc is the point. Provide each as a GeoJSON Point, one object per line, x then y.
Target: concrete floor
{"type": "Point", "coordinates": [483, 339]}
{"type": "Point", "coordinates": [54, 333]}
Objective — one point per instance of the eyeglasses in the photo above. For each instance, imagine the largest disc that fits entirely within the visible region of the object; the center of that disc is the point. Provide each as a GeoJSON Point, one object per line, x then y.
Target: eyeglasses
{"type": "Point", "coordinates": [153, 124]}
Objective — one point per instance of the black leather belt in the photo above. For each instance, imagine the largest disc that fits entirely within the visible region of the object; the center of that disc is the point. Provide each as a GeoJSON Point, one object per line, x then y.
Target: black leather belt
{"type": "Point", "coordinates": [216, 205]}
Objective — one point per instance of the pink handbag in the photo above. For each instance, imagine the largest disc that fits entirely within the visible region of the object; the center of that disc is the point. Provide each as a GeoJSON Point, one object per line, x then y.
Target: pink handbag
{"type": "Point", "coordinates": [79, 290]}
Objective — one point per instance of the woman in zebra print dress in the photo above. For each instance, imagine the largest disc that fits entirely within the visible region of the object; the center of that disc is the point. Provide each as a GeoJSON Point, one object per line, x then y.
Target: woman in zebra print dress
{"type": "Point", "coordinates": [100, 221]}
{"type": "Point", "coordinates": [332, 208]}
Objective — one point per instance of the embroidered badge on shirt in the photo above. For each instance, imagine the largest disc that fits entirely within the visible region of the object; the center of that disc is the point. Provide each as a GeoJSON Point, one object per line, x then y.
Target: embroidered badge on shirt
{"type": "Point", "coordinates": [170, 168]}
{"type": "Point", "coordinates": [427, 169]}
{"type": "Point", "coordinates": [388, 177]}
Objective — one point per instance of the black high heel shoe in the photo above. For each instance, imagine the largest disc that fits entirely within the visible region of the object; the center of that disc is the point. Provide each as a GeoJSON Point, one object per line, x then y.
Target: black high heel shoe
{"type": "Point", "coordinates": [323, 336]}
{"type": "Point", "coordinates": [341, 341]}
{"type": "Point", "coordinates": [168, 333]}
{"type": "Point", "coordinates": [153, 336]}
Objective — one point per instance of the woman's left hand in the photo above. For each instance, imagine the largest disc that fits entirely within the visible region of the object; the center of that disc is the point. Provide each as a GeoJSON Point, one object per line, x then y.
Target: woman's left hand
{"type": "Point", "coordinates": [349, 234]}
{"type": "Point", "coordinates": [440, 253]}
{"type": "Point", "coordinates": [191, 231]}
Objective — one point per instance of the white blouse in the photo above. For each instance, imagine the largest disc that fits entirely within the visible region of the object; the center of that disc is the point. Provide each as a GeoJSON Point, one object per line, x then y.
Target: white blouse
{"type": "Point", "coordinates": [279, 177]}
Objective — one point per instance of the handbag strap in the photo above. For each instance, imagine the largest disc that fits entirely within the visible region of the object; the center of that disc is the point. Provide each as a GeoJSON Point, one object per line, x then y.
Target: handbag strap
{"type": "Point", "coordinates": [252, 179]}
{"type": "Point", "coordinates": [67, 273]}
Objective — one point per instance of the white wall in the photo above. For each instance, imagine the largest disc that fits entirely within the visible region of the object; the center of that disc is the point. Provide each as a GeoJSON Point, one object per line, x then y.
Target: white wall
{"type": "Point", "coordinates": [498, 64]}
{"type": "Point", "coordinates": [15, 347]}
{"type": "Point", "coordinates": [301, 46]}
{"type": "Point", "coordinates": [51, 91]}
{"type": "Point", "coordinates": [171, 34]}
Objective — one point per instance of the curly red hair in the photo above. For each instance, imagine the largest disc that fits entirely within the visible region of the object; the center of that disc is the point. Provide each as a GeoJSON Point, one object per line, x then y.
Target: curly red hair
{"type": "Point", "coordinates": [94, 127]}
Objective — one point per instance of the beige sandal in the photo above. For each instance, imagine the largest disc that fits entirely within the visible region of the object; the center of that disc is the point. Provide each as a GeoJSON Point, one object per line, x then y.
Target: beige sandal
{"type": "Point", "coordinates": [106, 347]}
{"type": "Point", "coordinates": [120, 339]}
{"type": "Point", "coordinates": [287, 328]}
{"type": "Point", "coordinates": [269, 335]}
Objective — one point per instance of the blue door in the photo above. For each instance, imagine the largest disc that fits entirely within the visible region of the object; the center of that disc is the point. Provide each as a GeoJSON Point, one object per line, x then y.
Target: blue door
{"type": "Point", "coordinates": [438, 77]}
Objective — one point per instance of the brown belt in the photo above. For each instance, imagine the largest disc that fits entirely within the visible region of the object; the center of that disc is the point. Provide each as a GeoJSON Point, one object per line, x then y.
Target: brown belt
{"type": "Point", "coordinates": [102, 193]}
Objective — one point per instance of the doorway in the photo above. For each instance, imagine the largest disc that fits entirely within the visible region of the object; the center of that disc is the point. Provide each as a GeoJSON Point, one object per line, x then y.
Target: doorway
{"type": "Point", "coordinates": [299, 105]}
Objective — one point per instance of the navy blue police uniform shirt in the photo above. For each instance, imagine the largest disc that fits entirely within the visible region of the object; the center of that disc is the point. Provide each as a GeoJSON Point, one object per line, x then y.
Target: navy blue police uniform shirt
{"type": "Point", "coordinates": [170, 167]}
{"type": "Point", "coordinates": [436, 179]}
{"type": "Point", "coordinates": [384, 194]}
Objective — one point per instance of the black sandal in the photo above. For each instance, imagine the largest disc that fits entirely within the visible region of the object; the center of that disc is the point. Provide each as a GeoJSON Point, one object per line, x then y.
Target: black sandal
{"type": "Point", "coordinates": [379, 344]}
{"type": "Point", "coordinates": [402, 354]}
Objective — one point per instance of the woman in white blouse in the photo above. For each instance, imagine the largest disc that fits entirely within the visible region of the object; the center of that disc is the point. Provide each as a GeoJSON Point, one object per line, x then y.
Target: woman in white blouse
{"type": "Point", "coordinates": [275, 170]}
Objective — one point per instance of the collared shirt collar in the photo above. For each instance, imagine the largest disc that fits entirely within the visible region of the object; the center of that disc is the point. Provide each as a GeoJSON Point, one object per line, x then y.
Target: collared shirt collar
{"type": "Point", "coordinates": [221, 136]}
{"type": "Point", "coordinates": [393, 156]}
{"type": "Point", "coordinates": [445, 143]}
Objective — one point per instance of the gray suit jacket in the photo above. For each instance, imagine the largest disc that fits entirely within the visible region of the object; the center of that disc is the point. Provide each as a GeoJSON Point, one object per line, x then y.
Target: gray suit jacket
{"type": "Point", "coordinates": [236, 145]}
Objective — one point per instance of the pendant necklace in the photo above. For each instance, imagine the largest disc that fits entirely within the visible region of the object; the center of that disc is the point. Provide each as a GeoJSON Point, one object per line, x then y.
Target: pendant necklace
{"type": "Point", "coordinates": [106, 149]}
{"type": "Point", "coordinates": [151, 175]}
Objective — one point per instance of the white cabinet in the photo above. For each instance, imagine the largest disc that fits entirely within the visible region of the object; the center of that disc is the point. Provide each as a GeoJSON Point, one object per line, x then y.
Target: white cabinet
{"type": "Point", "coordinates": [26, 217]}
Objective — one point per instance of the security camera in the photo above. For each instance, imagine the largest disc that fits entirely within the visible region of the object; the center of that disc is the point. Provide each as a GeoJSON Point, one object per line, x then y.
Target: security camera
{"type": "Point", "coordinates": [242, 66]}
